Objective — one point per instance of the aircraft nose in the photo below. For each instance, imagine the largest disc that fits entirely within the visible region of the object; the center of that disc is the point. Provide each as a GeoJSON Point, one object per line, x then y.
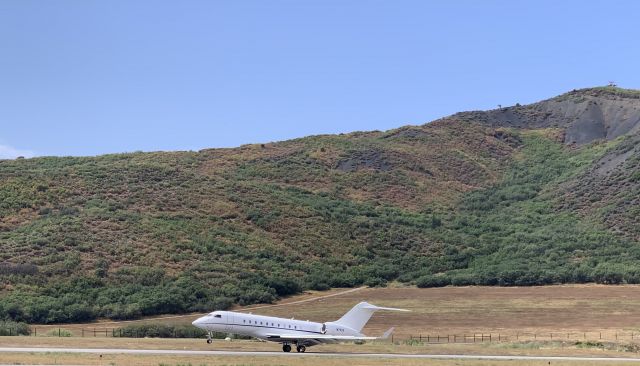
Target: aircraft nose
{"type": "Point", "coordinates": [198, 322]}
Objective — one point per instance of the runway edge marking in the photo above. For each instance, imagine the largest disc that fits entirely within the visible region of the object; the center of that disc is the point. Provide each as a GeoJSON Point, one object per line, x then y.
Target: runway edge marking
{"type": "Point", "coordinates": [282, 354]}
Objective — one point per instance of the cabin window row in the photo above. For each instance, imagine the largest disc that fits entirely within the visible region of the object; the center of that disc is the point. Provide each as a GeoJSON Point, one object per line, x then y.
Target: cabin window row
{"type": "Point", "coordinates": [266, 323]}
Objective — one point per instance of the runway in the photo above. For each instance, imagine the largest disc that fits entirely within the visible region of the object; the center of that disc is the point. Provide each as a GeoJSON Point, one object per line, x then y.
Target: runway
{"type": "Point", "coordinates": [309, 354]}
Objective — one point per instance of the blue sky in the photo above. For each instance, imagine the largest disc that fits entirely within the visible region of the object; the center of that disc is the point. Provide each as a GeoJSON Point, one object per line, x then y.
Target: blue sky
{"type": "Point", "coordinates": [91, 77]}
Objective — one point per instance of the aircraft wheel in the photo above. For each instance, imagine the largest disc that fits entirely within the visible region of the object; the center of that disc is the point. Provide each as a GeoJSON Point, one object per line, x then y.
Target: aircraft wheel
{"type": "Point", "coordinates": [301, 349]}
{"type": "Point", "coordinates": [286, 348]}
{"type": "Point", "coordinates": [209, 341]}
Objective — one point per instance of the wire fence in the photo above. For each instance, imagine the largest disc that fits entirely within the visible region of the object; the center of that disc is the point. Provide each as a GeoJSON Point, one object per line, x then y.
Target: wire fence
{"type": "Point", "coordinates": [426, 338]}
{"type": "Point", "coordinates": [102, 332]}
{"type": "Point", "coordinates": [604, 336]}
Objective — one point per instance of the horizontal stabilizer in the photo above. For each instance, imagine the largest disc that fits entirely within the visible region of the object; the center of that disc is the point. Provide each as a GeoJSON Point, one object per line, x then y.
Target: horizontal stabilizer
{"type": "Point", "coordinates": [388, 333]}
{"type": "Point", "coordinates": [374, 307]}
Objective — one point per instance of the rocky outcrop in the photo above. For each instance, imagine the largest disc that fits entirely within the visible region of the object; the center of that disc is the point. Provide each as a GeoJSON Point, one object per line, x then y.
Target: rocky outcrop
{"type": "Point", "coordinates": [586, 115]}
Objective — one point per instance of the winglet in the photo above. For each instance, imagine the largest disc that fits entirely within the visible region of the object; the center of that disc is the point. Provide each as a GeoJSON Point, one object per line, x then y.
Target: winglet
{"type": "Point", "coordinates": [387, 334]}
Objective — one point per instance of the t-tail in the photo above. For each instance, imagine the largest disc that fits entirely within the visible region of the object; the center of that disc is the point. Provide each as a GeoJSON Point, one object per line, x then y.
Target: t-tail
{"type": "Point", "coordinates": [359, 315]}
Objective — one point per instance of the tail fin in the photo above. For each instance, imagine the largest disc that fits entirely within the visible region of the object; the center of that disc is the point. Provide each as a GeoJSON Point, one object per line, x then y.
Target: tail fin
{"type": "Point", "coordinates": [360, 314]}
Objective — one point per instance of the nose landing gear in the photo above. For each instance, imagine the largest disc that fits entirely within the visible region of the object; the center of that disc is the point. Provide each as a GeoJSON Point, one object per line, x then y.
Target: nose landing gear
{"type": "Point", "coordinates": [209, 340]}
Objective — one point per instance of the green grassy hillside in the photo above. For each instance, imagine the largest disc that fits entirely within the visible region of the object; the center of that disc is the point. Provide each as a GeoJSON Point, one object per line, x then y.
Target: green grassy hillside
{"type": "Point", "coordinates": [450, 202]}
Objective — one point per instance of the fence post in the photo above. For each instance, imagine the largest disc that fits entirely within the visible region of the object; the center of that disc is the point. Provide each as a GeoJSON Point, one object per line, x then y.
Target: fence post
{"type": "Point", "coordinates": [59, 332]}
{"type": "Point", "coordinates": [420, 337]}
{"type": "Point", "coordinates": [600, 335]}
{"type": "Point", "coordinates": [35, 332]}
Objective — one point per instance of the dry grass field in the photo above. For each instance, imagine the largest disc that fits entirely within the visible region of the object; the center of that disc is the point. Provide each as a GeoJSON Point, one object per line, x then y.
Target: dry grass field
{"type": "Point", "coordinates": [575, 312]}
{"type": "Point", "coordinates": [561, 310]}
{"type": "Point", "coordinates": [516, 313]}
{"type": "Point", "coordinates": [572, 309]}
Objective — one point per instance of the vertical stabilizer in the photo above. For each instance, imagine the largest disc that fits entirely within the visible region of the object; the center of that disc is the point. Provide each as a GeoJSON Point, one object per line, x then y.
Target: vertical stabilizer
{"type": "Point", "coordinates": [359, 315]}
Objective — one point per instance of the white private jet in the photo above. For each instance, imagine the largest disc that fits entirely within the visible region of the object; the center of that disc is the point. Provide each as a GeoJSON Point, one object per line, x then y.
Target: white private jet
{"type": "Point", "coordinates": [290, 331]}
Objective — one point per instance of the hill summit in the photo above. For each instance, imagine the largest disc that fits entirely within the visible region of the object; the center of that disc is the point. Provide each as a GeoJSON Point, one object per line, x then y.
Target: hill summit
{"type": "Point", "coordinates": [523, 195]}
{"type": "Point", "coordinates": [585, 115]}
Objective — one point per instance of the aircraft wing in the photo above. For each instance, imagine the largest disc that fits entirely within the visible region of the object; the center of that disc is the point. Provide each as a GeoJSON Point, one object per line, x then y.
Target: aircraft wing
{"type": "Point", "coordinates": [291, 337]}
{"type": "Point", "coordinates": [323, 338]}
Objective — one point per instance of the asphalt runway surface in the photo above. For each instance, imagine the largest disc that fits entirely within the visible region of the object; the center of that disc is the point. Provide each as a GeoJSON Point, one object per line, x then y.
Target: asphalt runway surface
{"type": "Point", "coordinates": [307, 354]}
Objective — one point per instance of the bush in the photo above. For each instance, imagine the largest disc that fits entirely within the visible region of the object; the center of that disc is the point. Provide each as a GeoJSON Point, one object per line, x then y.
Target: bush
{"type": "Point", "coordinates": [376, 282]}
{"type": "Point", "coordinates": [432, 281]}
{"type": "Point", "coordinates": [162, 331]}
{"type": "Point", "coordinates": [343, 280]}
{"type": "Point", "coordinates": [319, 286]}
{"type": "Point", "coordinates": [8, 327]}
{"type": "Point", "coordinates": [463, 280]}
{"type": "Point", "coordinates": [59, 332]}
{"type": "Point", "coordinates": [608, 274]}
{"type": "Point", "coordinates": [283, 286]}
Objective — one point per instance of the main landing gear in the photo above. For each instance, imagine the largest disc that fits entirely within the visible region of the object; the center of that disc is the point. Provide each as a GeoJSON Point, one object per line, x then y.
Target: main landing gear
{"type": "Point", "coordinates": [287, 348]}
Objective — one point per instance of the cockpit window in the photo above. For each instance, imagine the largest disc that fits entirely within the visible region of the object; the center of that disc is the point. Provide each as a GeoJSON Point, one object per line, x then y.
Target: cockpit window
{"type": "Point", "coordinates": [217, 316]}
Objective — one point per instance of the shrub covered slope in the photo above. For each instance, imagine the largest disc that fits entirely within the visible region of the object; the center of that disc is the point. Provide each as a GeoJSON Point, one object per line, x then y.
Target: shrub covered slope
{"type": "Point", "coordinates": [457, 201]}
